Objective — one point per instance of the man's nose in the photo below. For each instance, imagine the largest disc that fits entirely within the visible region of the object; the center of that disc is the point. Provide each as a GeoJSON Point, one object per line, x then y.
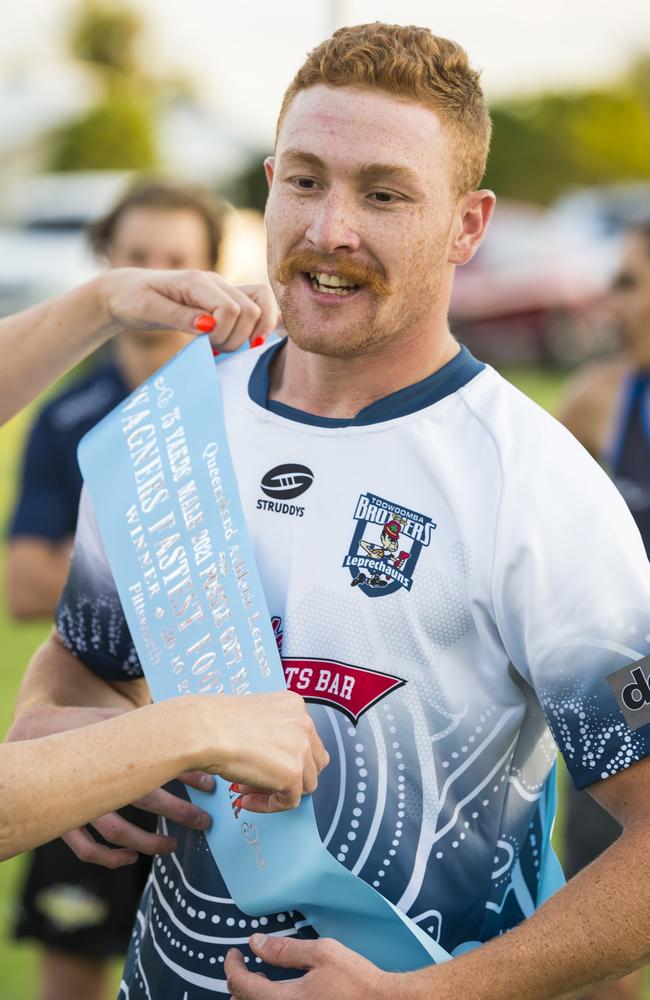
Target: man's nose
{"type": "Point", "coordinates": [333, 225]}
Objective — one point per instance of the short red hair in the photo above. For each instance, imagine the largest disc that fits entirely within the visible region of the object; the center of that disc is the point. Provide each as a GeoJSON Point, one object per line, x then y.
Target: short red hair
{"type": "Point", "coordinates": [411, 63]}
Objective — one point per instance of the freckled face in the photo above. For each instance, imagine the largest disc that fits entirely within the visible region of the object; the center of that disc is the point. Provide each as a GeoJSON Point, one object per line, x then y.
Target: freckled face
{"type": "Point", "coordinates": [361, 186]}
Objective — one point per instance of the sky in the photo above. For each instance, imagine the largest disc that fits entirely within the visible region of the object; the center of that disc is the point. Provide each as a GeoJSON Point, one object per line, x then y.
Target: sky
{"type": "Point", "coordinates": [242, 55]}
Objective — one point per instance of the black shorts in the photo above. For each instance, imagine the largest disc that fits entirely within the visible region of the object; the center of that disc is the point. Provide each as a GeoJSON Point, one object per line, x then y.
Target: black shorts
{"type": "Point", "coordinates": [589, 830]}
{"type": "Point", "coordinates": [81, 908]}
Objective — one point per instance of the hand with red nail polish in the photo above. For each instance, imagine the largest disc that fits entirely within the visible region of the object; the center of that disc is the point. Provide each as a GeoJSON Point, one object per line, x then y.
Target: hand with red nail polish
{"type": "Point", "coordinates": [199, 302]}
{"type": "Point", "coordinates": [266, 745]}
{"type": "Point", "coordinates": [247, 313]}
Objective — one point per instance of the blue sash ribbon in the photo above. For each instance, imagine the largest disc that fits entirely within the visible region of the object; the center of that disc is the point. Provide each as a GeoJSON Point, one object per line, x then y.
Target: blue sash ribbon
{"type": "Point", "coordinates": [162, 483]}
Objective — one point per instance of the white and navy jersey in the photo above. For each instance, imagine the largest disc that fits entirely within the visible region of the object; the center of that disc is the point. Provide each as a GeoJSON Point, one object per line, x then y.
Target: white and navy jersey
{"type": "Point", "coordinates": [448, 573]}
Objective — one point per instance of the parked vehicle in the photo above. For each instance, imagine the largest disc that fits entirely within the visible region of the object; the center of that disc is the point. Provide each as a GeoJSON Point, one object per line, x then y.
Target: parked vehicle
{"type": "Point", "coordinates": [535, 291]}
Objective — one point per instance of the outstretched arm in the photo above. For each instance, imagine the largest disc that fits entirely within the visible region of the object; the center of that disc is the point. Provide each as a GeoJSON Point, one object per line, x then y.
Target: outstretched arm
{"type": "Point", "coordinates": [41, 343]}
{"type": "Point", "coordinates": [53, 781]}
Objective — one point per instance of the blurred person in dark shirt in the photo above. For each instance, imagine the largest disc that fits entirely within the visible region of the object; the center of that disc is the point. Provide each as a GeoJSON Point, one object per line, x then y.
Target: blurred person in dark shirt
{"type": "Point", "coordinates": [83, 914]}
{"type": "Point", "coordinates": [156, 226]}
{"type": "Point", "coordinates": [607, 408]}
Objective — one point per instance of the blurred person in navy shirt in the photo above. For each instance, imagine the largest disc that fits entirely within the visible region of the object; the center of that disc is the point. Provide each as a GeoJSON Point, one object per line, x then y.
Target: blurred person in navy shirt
{"type": "Point", "coordinates": [154, 225]}
{"type": "Point", "coordinates": [607, 408]}
{"type": "Point", "coordinates": [82, 914]}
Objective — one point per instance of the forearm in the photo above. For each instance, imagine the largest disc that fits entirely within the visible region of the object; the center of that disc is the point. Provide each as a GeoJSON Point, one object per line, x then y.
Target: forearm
{"type": "Point", "coordinates": [53, 784]}
{"type": "Point", "coordinates": [58, 690]}
{"type": "Point", "coordinates": [592, 930]}
{"type": "Point", "coordinates": [36, 573]}
{"type": "Point", "coordinates": [40, 344]}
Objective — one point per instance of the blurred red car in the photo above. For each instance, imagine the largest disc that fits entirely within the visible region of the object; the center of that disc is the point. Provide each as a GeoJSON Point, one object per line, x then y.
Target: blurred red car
{"type": "Point", "coordinates": [535, 290]}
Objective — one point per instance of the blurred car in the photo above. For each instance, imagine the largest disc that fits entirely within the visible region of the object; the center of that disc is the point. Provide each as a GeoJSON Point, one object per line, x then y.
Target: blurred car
{"type": "Point", "coordinates": [602, 213]}
{"type": "Point", "coordinates": [43, 245]}
{"type": "Point", "coordinates": [535, 290]}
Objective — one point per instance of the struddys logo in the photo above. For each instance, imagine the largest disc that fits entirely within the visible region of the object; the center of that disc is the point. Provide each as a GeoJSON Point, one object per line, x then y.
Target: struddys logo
{"type": "Point", "coordinates": [352, 690]}
{"type": "Point", "coordinates": [386, 545]}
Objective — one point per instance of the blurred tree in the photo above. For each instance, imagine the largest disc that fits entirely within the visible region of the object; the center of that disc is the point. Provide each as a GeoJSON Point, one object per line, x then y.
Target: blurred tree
{"type": "Point", "coordinates": [248, 189]}
{"type": "Point", "coordinates": [105, 34]}
{"type": "Point", "coordinates": [116, 134]}
{"type": "Point", "coordinates": [542, 145]}
{"type": "Point", "coordinates": [638, 78]}
{"type": "Point", "coordinates": [119, 131]}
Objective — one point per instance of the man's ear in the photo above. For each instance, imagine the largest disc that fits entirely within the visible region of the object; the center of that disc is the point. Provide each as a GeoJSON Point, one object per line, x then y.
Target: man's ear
{"type": "Point", "coordinates": [474, 214]}
{"type": "Point", "coordinates": [269, 169]}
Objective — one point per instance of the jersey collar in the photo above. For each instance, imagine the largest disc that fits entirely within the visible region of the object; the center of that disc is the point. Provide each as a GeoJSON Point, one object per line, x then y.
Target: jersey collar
{"type": "Point", "coordinates": [447, 380]}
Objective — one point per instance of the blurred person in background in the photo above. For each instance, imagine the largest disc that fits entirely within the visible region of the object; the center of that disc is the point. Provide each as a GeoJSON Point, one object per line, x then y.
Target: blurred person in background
{"type": "Point", "coordinates": [156, 226]}
{"type": "Point", "coordinates": [607, 408]}
{"type": "Point", "coordinates": [83, 914]}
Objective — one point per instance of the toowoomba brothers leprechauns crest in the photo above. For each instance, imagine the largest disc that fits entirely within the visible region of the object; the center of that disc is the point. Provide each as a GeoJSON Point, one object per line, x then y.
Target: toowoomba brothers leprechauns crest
{"type": "Point", "coordinates": [386, 544]}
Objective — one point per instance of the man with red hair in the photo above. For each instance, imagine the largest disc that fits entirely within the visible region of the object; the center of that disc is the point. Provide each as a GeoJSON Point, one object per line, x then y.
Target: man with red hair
{"type": "Point", "coordinates": [440, 793]}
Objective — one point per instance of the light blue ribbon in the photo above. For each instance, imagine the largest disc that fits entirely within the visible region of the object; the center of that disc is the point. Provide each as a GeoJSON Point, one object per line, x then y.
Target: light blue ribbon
{"type": "Point", "coordinates": [162, 483]}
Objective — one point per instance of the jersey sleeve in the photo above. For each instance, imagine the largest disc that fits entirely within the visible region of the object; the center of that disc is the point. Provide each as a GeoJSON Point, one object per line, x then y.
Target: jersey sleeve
{"type": "Point", "coordinates": [45, 507]}
{"type": "Point", "coordinates": [571, 590]}
{"type": "Point", "coordinates": [89, 618]}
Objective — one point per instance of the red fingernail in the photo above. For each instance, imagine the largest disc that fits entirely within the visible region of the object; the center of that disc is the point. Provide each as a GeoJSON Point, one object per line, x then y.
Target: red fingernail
{"type": "Point", "coordinates": [258, 341]}
{"type": "Point", "coordinates": [215, 352]}
{"type": "Point", "coordinates": [235, 787]}
{"type": "Point", "coordinates": [237, 803]}
{"type": "Point", "coordinates": [205, 323]}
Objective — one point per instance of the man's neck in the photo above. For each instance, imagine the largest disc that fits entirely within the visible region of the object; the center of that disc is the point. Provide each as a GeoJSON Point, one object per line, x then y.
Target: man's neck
{"type": "Point", "coordinates": [138, 357]}
{"type": "Point", "coordinates": [342, 387]}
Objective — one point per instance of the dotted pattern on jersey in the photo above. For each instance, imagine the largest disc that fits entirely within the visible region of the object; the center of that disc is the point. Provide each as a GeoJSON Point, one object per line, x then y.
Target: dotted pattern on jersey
{"type": "Point", "coordinates": [461, 559]}
{"type": "Point", "coordinates": [587, 724]}
{"type": "Point", "coordinates": [92, 626]}
{"type": "Point", "coordinates": [323, 620]}
{"type": "Point", "coordinates": [596, 741]}
{"type": "Point", "coordinates": [411, 628]}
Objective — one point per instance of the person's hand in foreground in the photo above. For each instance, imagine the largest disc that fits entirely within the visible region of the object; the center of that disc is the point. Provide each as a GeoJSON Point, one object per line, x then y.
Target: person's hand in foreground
{"type": "Point", "coordinates": [144, 299]}
{"type": "Point", "coordinates": [267, 742]}
{"type": "Point", "coordinates": [41, 343]}
{"type": "Point", "coordinates": [331, 970]}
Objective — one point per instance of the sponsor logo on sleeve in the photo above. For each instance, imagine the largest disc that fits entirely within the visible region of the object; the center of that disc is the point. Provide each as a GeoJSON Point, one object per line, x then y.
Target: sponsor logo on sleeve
{"type": "Point", "coordinates": [631, 688]}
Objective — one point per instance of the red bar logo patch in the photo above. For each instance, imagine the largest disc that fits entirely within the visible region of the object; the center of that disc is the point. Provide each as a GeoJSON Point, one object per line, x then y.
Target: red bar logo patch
{"type": "Point", "coordinates": [353, 690]}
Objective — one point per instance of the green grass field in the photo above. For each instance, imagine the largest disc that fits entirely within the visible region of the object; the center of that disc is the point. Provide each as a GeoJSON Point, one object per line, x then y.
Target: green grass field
{"type": "Point", "coordinates": [17, 642]}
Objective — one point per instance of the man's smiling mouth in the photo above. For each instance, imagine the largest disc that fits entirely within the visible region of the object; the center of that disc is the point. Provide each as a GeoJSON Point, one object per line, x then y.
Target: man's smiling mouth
{"type": "Point", "coordinates": [331, 284]}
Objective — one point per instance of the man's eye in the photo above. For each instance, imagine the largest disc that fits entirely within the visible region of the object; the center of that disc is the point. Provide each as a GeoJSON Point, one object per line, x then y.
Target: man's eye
{"type": "Point", "coordinates": [304, 183]}
{"type": "Point", "coordinates": [383, 197]}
